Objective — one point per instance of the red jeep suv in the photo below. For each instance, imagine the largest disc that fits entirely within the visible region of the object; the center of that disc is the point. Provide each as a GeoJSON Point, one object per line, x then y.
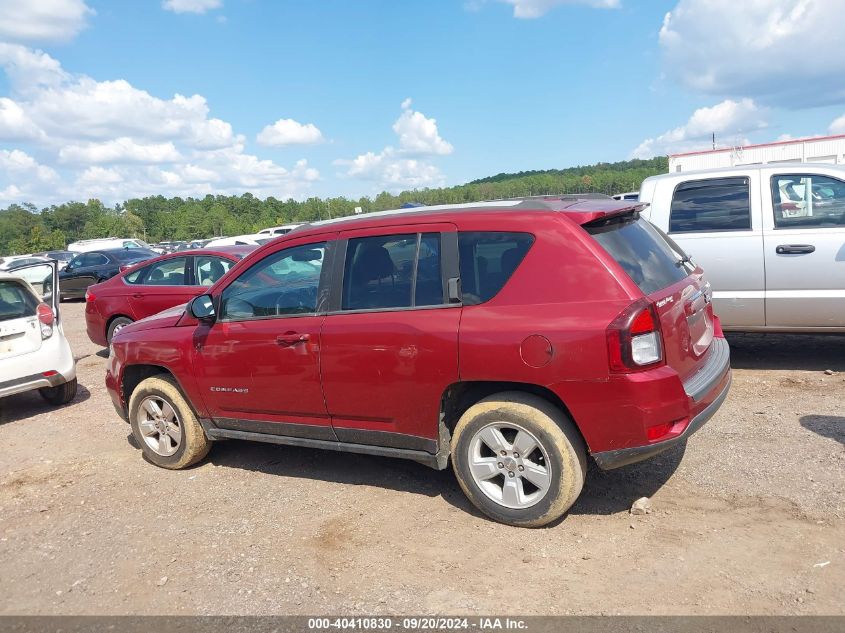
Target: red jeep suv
{"type": "Point", "coordinates": [516, 338]}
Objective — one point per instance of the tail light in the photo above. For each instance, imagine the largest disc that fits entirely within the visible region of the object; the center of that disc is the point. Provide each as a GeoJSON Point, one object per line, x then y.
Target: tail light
{"type": "Point", "coordinates": [633, 339]}
{"type": "Point", "coordinates": [46, 318]}
{"type": "Point", "coordinates": [89, 296]}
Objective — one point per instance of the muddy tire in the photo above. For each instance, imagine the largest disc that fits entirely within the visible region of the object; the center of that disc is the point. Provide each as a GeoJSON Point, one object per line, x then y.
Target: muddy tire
{"type": "Point", "coordinates": [519, 459]}
{"type": "Point", "coordinates": [116, 325]}
{"type": "Point", "coordinates": [62, 394]}
{"type": "Point", "coordinates": [165, 426]}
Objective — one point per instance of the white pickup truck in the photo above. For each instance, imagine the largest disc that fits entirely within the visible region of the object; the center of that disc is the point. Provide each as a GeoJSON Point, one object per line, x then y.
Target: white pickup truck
{"type": "Point", "coordinates": [771, 238]}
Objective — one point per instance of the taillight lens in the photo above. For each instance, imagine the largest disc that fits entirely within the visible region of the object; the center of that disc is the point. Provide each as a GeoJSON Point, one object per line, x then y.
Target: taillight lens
{"type": "Point", "coordinates": [633, 339]}
{"type": "Point", "coordinates": [46, 319]}
{"type": "Point", "coordinates": [89, 296]}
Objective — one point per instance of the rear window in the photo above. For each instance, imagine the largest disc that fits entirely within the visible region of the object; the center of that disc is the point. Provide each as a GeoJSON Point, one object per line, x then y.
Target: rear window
{"type": "Point", "coordinates": [15, 301]}
{"type": "Point", "coordinates": [488, 260]}
{"type": "Point", "coordinates": [650, 260]}
{"type": "Point", "coordinates": [721, 204]}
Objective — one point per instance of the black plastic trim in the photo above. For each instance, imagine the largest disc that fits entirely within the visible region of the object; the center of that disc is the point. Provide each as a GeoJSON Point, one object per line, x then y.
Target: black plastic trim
{"type": "Point", "coordinates": [387, 439]}
{"type": "Point", "coordinates": [382, 451]}
{"type": "Point", "coordinates": [703, 381]}
{"type": "Point", "coordinates": [309, 431]}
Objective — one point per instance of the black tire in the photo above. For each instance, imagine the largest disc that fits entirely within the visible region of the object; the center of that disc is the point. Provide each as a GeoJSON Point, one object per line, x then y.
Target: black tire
{"type": "Point", "coordinates": [116, 324]}
{"type": "Point", "coordinates": [62, 394]}
{"type": "Point", "coordinates": [561, 452]}
{"type": "Point", "coordinates": [193, 445]}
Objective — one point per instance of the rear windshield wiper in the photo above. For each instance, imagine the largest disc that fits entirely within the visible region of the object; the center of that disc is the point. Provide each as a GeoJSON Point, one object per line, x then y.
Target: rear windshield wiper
{"type": "Point", "coordinates": [686, 259]}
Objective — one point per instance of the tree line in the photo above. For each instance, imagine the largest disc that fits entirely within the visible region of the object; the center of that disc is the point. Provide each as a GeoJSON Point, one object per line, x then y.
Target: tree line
{"type": "Point", "coordinates": [25, 229]}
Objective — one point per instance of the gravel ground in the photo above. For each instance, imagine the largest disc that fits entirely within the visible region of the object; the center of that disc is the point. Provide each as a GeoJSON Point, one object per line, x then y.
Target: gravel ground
{"type": "Point", "coordinates": [748, 518]}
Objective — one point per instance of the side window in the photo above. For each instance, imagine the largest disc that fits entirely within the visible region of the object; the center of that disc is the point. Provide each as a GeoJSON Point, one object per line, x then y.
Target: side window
{"type": "Point", "coordinates": [282, 284]}
{"type": "Point", "coordinates": [721, 204]}
{"type": "Point", "coordinates": [487, 262]}
{"type": "Point", "coordinates": [170, 272]}
{"type": "Point", "coordinates": [392, 271]}
{"type": "Point", "coordinates": [76, 262]}
{"type": "Point", "coordinates": [136, 276]}
{"type": "Point", "coordinates": [808, 201]}
{"type": "Point", "coordinates": [94, 259]}
{"type": "Point", "coordinates": [208, 269]}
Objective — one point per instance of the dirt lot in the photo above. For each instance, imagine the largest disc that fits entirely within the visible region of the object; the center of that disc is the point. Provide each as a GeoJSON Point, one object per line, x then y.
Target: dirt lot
{"type": "Point", "coordinates": [750, 518]}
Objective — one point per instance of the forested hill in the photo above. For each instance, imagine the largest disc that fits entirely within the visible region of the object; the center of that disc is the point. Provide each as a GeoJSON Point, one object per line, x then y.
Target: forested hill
{"type": "Point", "coordinates": [25, 229]}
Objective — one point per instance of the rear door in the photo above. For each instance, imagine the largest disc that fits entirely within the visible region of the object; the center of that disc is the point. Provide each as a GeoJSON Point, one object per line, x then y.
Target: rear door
{"type": "Point", "coordinates": [718, 221]}
{"type": "Point", "coordinates": [390, 341]}
{"type": "Point", "coordinates": [20, 331]}
{"type": "Point", "coordinates": [82, 271]}
{"type": "Point", "coordinates": [804, 249]}
{"type": "Point", "coordinates": [160, 286]}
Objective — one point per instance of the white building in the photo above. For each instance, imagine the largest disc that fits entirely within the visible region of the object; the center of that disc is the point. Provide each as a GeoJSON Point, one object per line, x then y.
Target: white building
{"type": "Point", "coordinates": [822, 149]}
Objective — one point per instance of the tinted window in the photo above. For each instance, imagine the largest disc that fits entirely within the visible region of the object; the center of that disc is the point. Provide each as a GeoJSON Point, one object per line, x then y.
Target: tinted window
{"type": "Point", "coordinates": [93, 259]}
{"type": "Point", "coordinates": [285, 283]}
{"type": "Point", "coordinates": [392, 271]}
{"type": "Point", "coordinates": [15, 302]}
{"type": "Point", "coordinates": [648, 258]}
{"type": "Point", "coordinates": [170, 272]}
{"type": "Point", "coordinates": [808, 201]}
{"type": "Point", "coordinates": [208, 269]}
{"type": "Point", "coordinates": [487, 262]}
{"type": "Point", "coordinates": [711, 205]}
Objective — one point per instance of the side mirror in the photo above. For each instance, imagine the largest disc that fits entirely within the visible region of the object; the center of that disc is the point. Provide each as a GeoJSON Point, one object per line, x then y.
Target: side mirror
{"type": "Point", "coordinates": [202, 308]}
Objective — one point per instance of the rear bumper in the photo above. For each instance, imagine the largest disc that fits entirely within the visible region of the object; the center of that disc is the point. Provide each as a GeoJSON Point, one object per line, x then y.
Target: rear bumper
{"type": "Point", "coordinates": [607, 460]}
{"type": "Point", "coordinates": [95, 325]}
{"type": "Point", "coordinates": [54, 356]}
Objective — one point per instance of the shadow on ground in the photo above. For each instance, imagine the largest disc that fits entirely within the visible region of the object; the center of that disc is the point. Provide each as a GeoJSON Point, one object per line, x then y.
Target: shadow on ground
{"type": "Point", "coordinates": [29, 404]}
{"type": "Point", "coordinates": [830, 426]}
{"type": "Point", "coordinates": [604, 492]}
{"type": "Point", "coordinates": [810, 352]}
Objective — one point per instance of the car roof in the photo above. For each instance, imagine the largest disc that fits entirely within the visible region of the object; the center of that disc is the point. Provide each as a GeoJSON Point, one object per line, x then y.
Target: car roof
{"type": "Point", "coordinates": [801, 167]}
{"type": "Point", "coordinates": [579, 209]}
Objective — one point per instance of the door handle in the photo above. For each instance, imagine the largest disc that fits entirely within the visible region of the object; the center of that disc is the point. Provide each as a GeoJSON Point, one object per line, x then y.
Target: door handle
{"type": "Point", "coordinates": [137, 295]}
{"type": "Point", "coordinates": [795, 249]}
{"type": "Point", "coordinates": [292, 338]}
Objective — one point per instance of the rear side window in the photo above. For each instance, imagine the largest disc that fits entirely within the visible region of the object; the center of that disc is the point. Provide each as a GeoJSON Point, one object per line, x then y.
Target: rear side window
{"type": "Point", "coordinates": [392, 271]}
{"type": "Point", "coordinates": [15, 301]}
{"type": "Point", "coordinates": [711, 205]}
{"type": "Point", "coordinates": [487, 261]}
{"type": "Point", "coordinates": [648, 258]}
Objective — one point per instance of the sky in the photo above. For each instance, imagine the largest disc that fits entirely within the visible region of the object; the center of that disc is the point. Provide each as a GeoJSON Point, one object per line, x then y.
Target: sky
{"type": "Point", "coordinates": [291, 98]}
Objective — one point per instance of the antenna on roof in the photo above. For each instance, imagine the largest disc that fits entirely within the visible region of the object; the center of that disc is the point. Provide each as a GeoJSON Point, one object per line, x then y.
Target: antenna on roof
{"type": "Point", "coordinates": [714, 140]}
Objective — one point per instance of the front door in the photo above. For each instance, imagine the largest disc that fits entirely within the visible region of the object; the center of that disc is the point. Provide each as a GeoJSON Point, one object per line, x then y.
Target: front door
{"type": "Point", "coordinates": [258, 365]}
{"type": "Point", "coordinates": [805, 251]}
{"type": "Point", "coordinates": [390, 342]}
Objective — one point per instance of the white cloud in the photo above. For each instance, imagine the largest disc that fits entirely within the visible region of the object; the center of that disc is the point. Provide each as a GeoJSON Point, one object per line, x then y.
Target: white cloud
{"type": "Point", "coordinates": [15, 124]}
{"type": "Point", "coordinates": [119, 150]}
{"type": "Point", "coordinates": [418, 135]}
{"type": "Point", "coordinates": [289, 132]}
{"type": "Point", "coordinates": [111, 140]}
{"type": "Point", "coordinates": [838, 126]}
{"type": "Point", "coordinates": [191, 6]}
{"type": "Point", "coordinates": [42, 20]}
{"type": "Point", "coordinates": [727, 120]}
{"type": "Point", "coordinates": [758, 48]}
{"type": "Point", "coordinates": [528, 9]}
{"type": "Point", "coordinates": [394, 169]}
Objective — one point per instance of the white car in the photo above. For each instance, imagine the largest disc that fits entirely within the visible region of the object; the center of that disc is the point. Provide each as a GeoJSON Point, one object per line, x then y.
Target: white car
{"type": "Point", "coordinates": [84, 246]}
{"type": "Point", "coordinates": [254, 239]}
{"type": "Point", "coordinates": [771, 239]}
{"type": "Point", "coordinates": [34, 353]}
{"type": "Point", "coordinates": [280, 230]}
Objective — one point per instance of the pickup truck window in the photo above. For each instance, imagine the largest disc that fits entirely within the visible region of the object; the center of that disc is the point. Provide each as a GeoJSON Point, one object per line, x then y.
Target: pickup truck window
{"type": "Point", "coordinates": [717, 204]}
{"type": "Point", "coordinates": [808, 201]}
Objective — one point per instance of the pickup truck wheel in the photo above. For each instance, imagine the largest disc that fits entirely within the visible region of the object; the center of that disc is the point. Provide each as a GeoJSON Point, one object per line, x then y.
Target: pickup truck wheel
{"type": "Point", "coordinates": [115, 326]}
{"type": "Point", "coordinates": [518, 459]}
{"type": "Point", "coordinates": [164, 425]}
{"type": "Point", "coordinates": [61, 394]}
